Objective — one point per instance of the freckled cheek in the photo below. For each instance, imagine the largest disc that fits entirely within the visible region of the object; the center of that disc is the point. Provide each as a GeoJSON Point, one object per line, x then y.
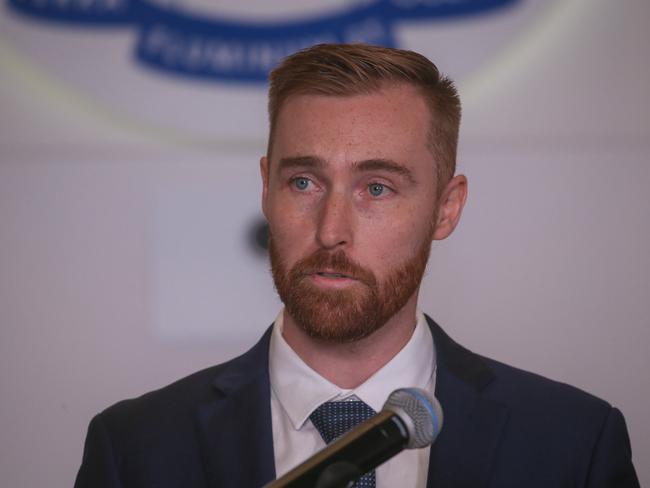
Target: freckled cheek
{"type": "Point", "coordinates": [289, 209]}
{"type": "Point", "coordinates": [379, 234]}
{"type": "Point", "coordinates": [292, 229]}
{"type": "Point", "coordinates": [390, 240]}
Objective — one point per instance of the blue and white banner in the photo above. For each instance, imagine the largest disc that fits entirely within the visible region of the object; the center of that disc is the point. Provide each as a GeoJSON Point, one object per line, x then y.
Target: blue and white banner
{"type": "Point", "coordinates": [195, 69]}
{"type": "Point", "coordinates": [182, 41]}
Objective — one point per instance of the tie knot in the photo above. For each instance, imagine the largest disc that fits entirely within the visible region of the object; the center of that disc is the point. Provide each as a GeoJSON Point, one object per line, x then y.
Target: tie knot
{"type": "Point", "coordinates": [333, 419]}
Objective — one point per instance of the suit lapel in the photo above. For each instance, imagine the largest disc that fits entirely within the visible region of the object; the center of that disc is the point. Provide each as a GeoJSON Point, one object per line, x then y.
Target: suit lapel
{"type": "Point", "coordinates": [235, 429]}
{"type": "Point", "coordinates": [465, 450]}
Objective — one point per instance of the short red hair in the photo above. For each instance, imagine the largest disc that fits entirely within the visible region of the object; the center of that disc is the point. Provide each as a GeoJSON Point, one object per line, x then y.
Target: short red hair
{"type": "Point", "coordinates": [356, 69]}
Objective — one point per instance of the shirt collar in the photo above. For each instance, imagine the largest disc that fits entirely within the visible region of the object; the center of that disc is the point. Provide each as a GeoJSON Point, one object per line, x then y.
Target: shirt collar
{"type": "Point", "coordinates": [300, 389]}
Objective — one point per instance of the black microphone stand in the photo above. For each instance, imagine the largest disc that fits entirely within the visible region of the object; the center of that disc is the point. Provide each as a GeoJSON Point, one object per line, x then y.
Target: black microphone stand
{"type": "Point", "coordinates": [341, 474]}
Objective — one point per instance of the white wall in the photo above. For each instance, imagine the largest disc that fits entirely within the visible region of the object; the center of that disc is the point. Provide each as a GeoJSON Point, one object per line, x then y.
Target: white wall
{"type": "Point", "coordinates": [111, 231]}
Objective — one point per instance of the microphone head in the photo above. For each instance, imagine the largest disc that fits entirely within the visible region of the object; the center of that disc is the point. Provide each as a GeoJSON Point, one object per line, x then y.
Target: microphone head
{"type": "Point", "coordinates": [420, 412]}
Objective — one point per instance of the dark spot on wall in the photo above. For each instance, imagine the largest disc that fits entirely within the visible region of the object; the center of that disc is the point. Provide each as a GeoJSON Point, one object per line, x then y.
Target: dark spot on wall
{"type": "Point", "coordinates": [258, 236]}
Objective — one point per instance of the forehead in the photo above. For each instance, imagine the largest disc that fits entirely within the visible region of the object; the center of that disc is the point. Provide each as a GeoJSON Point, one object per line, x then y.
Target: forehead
{"type": "Point", "coordinates": [391, 123]}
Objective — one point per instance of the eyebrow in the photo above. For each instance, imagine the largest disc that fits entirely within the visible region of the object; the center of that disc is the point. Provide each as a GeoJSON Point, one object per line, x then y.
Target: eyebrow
{"type": "Point", "coordinates": [385, 165]}
{"type": "Point", "coordinates": [301, 162]}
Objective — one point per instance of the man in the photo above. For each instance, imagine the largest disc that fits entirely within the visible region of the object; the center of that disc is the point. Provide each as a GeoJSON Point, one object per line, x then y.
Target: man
{"type": "Point", "coordinates": [358, 180]}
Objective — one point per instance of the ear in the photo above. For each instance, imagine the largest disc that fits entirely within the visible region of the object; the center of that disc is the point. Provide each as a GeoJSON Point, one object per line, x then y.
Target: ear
{"type": "Point", "coordinates": [264, 171]}
{"type": "Point", "coordinates": [450, 207]}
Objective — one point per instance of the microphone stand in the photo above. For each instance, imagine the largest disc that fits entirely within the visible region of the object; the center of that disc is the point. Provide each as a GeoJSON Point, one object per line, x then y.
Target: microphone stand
{"type": "Point", "coordinates": [341, 474]}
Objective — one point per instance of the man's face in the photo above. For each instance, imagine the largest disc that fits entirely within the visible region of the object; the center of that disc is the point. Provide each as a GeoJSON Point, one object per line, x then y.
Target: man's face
{"type": "Point", "coordinates": [350, 196]}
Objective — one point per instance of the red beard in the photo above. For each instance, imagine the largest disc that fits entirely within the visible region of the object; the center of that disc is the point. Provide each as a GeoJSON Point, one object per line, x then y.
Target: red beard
{"type": "Point", "coordinates": [350, 314]}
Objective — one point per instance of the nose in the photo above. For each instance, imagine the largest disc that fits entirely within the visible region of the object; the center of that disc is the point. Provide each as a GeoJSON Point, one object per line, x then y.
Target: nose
{"type": "Point", "coordinates": [335, 221]}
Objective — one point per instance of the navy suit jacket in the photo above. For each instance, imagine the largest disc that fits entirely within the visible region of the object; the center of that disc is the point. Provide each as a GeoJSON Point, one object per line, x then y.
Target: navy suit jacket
{"type": "Point", "coordinates": [503, 427]}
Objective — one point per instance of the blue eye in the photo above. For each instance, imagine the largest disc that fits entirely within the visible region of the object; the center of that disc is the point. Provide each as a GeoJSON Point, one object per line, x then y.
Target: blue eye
{"type": "Point", "coordinates": [300, 183]}
{"type": "Point", "coordinates": [376, 189]}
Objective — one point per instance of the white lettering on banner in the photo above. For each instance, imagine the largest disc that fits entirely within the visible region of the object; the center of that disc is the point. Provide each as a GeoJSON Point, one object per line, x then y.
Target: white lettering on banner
{"type": "Point", "coordinates": [200, 53]}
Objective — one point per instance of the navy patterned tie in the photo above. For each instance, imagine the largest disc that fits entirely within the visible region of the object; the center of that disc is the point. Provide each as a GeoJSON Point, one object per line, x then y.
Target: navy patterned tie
{"type": "Point", "coordinates": [333, 419]}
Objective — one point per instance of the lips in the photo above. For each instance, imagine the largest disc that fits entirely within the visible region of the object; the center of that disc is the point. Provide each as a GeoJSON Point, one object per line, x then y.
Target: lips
{"type": "Point", "coordinates": [332, 275]}
{"type": "Point", "coordinates": [331, 269]}
{"type": "Point", "coordinates": [331, 279]}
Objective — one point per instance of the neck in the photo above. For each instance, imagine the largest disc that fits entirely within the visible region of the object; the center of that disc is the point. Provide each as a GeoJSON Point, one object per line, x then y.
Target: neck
{"type": "Point", "coordinates": [349, 365]}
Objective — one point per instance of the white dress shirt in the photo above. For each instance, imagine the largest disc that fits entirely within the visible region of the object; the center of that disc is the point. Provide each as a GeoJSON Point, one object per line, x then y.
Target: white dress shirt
{"type": "Point", "coordinates": [297, 390]}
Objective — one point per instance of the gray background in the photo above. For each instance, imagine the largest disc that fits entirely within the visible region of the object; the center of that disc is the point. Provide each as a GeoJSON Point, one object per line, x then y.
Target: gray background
{"type": "Point", "coordinates": [124, 262]}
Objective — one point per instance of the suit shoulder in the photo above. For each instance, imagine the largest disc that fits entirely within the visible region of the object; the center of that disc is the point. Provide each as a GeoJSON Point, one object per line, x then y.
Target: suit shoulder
{"type": "Point", "coordinates": [507, 384]}
{"type": "Point", "coordinates": [171, 404]}
{"type": "Point", "coordinates": [531, 392]}
{"type": "Point", "coordinates": [575, 424]}
{"type": "Point", "coordinates": [186, 388]}
{"type": "Point", "coordinates": [163, 405]}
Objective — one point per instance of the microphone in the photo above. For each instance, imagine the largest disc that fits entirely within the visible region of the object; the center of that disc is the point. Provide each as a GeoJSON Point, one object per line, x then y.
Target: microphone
{"type": "Point", "coordinates": [410, 419]}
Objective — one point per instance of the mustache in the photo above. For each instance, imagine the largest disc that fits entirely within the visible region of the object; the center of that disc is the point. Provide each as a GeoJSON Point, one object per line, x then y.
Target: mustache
{"type": "Point", "coordinates": [334, 262]}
